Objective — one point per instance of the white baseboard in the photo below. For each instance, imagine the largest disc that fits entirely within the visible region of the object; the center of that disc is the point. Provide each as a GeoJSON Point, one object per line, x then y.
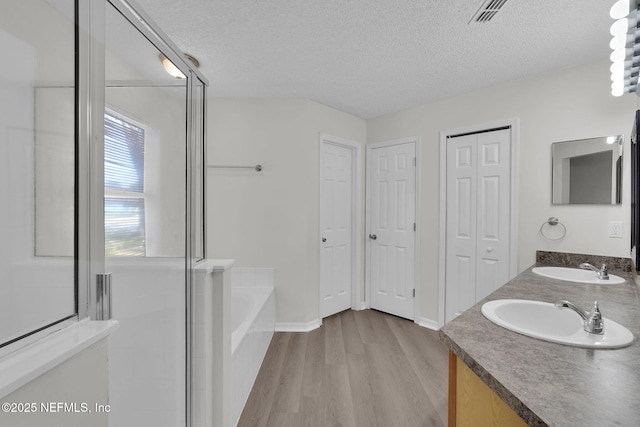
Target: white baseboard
{"type": "Point", "coordinates": [428, 323]}
{"type": "Point", "coordinates": [315, 324]}
{"type": "Point", "coordinates": [298, 327]}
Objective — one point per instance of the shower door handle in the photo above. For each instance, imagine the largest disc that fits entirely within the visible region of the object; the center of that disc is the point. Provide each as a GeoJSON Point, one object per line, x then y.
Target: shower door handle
{"type": "Point", "coordinates": [103, 296]}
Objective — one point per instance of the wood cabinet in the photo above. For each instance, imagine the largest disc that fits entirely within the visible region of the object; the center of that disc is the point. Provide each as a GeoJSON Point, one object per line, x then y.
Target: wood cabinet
{"type": "Point", "coordinates": [473, 403]}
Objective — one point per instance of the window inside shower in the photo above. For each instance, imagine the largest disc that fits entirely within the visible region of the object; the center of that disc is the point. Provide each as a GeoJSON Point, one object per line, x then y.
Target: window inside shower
{"type": "Point", "coordinates": [124, 186]}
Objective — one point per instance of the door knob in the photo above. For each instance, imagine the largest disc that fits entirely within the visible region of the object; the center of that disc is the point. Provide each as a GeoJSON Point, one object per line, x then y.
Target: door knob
{"type": "Point", "coordinates": [373, 236]}
{"type": "Point", "coordinates": [324, 239]}
{"type": "Point", "coordinates": [490, 249]}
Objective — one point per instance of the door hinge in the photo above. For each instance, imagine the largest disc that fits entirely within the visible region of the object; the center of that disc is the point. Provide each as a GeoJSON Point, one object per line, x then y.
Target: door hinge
{"type": "Point", "coordinates": [414, 292]}
{"type": "Point", "coordinates": [414, 226]}
{"type": "Point", "coordinates": [414, 161]}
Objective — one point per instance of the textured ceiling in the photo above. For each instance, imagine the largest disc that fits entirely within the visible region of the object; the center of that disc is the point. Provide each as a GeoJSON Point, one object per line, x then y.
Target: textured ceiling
{"type": "Point", "coordinates": [372, 57]}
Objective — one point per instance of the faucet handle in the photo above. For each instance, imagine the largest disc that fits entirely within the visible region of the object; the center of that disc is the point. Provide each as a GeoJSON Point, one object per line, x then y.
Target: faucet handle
{"type": "Point", "coordinates": [594, 323]}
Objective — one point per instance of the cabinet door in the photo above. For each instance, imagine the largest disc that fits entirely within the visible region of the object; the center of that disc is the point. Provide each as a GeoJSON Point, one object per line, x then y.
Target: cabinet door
{"type": "Point", "coordinates": [473, 403]}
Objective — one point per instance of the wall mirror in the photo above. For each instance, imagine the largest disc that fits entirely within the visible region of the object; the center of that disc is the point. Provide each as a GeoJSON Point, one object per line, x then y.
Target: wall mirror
{"type": "Point", "coordinates": [587, 171]}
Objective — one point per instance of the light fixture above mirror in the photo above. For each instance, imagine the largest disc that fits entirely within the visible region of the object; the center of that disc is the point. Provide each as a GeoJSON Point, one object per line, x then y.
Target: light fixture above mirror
{"type": "Point", "coordinates": [625, 61]}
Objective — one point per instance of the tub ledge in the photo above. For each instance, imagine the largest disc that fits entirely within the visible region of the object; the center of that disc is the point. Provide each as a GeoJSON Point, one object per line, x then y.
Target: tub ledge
{"type": "Point", "coordinates": [207, 266]}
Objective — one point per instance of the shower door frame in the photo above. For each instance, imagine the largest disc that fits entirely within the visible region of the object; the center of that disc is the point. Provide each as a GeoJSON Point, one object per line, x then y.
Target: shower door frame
{"type": "Point", "coordinates": [90, 203]}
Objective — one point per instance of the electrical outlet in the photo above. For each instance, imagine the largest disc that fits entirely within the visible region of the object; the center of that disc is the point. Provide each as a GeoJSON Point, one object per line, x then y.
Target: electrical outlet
{"type": "Point", "coordinates": [615, 228]}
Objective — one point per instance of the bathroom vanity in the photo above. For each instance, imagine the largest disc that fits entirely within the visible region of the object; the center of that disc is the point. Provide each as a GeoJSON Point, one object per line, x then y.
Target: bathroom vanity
{"type": "Point", "coordinates": [500, 377]}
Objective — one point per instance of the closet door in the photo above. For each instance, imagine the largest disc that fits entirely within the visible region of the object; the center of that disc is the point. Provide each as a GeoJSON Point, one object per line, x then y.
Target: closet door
{"type": "Point", "coordinates": [492, 212]}
{"type": "Point", "coordinates": [461, 224]}
{"type": "Point", "coordinates": [478, 218]}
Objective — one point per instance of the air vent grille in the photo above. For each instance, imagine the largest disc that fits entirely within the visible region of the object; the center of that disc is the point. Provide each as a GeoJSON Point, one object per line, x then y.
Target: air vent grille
{"type": "Point", "coordinates": [488, 10]}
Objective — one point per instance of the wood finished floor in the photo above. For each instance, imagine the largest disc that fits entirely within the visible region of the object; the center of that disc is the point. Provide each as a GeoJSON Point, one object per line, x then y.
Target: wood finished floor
{"type": "Point", "coordinates": [360, 368]}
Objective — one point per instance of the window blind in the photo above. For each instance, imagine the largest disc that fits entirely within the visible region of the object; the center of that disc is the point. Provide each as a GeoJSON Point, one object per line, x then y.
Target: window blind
{"type": "Point", "coordinates": [123, 155]}
{"type": "Point", "coordinates": [124, 212]}
{"type": "Point", "coordinates": [124, 231]}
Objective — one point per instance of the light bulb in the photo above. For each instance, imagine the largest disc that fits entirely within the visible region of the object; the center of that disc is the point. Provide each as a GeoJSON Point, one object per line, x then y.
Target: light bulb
{"type": "Point", "coordinates": [620, 9]}
{"type": "Point", "coordinates": [617, 67]}
{"type": "Point", "coordinates": [171, 68]}
{"type": "Point", "coordinates": [620, 27]}
{"type": "Point", "coordinates": [619, 41]}
{"type": "Point", "coordinates": [617, 88]}
{"type": "Point", "coordinates": [618, 55]}
{"type": "Point", "coordinates": [617, 77]}
{"type": "Point", "coordinates": [621, 54]}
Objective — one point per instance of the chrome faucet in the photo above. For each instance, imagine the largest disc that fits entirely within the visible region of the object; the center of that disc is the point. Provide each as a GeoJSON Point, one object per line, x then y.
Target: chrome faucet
{"type": "Point", "coordinates": [603, 273]}
{"type": "Point", "coordinates": [592, 321]}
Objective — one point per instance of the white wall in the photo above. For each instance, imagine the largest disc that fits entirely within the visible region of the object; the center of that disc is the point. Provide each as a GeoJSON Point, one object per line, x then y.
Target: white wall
{"type": "Point", "coordinates": [79, 380]}
{"type": "Point", "coordinates": [567, 104]}
{"type": "Point", "coordinates": [270, 218]}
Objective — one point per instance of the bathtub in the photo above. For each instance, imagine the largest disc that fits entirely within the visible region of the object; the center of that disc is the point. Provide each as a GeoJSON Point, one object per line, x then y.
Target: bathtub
{"type": "Point", "coordinates": [246, 307]}
{"type": "Point", "coordinates": [230, 338]}
{"type": "Point", "coordinates": [252, 327]}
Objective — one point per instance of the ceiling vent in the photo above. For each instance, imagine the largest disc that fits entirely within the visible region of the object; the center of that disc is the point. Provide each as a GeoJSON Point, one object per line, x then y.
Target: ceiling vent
{"type": "Point", "coordinates": [488, 10]}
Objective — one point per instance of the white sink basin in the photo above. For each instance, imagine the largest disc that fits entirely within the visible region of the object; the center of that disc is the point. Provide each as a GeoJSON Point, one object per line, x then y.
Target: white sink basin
{"type": "Point", "coordinates": [576, 275]}
{"type": "Point", "coordinates": [545, 321]}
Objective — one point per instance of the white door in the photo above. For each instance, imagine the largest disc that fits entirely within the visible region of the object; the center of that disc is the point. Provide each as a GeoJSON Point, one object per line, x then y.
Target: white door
{"type": "Point", "coordinates": [478, 217]}
{"type": "Point", "coordinates": [336, 217]}
{"type": "Point", "coordinates": [392, 228]}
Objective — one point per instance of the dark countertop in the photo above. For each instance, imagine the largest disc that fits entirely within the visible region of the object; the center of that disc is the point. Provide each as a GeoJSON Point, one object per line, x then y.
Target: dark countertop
{"type": "Point", "coordinates": [553, 384]}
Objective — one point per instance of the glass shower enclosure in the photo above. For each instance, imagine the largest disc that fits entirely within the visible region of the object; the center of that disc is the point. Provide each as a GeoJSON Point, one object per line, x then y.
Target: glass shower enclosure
{"type": "Point", "coordinates": [102, 181]}
{"type": "Point", "coordinates": [152, 215]}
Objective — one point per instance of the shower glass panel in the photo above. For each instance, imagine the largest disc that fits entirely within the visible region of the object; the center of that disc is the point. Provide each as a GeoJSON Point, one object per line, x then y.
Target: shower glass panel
{"type": "Point", "coordinates": [37, 168]}
{"type": "Point", "coordinates": [145, 223]}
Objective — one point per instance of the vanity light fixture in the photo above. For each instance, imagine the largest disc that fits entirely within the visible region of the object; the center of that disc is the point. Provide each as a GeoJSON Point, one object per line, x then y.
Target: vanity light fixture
{"type": "Point", "coordinates": [172, 69]}
{"type": "Point", "coordinates": [625, 46]}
